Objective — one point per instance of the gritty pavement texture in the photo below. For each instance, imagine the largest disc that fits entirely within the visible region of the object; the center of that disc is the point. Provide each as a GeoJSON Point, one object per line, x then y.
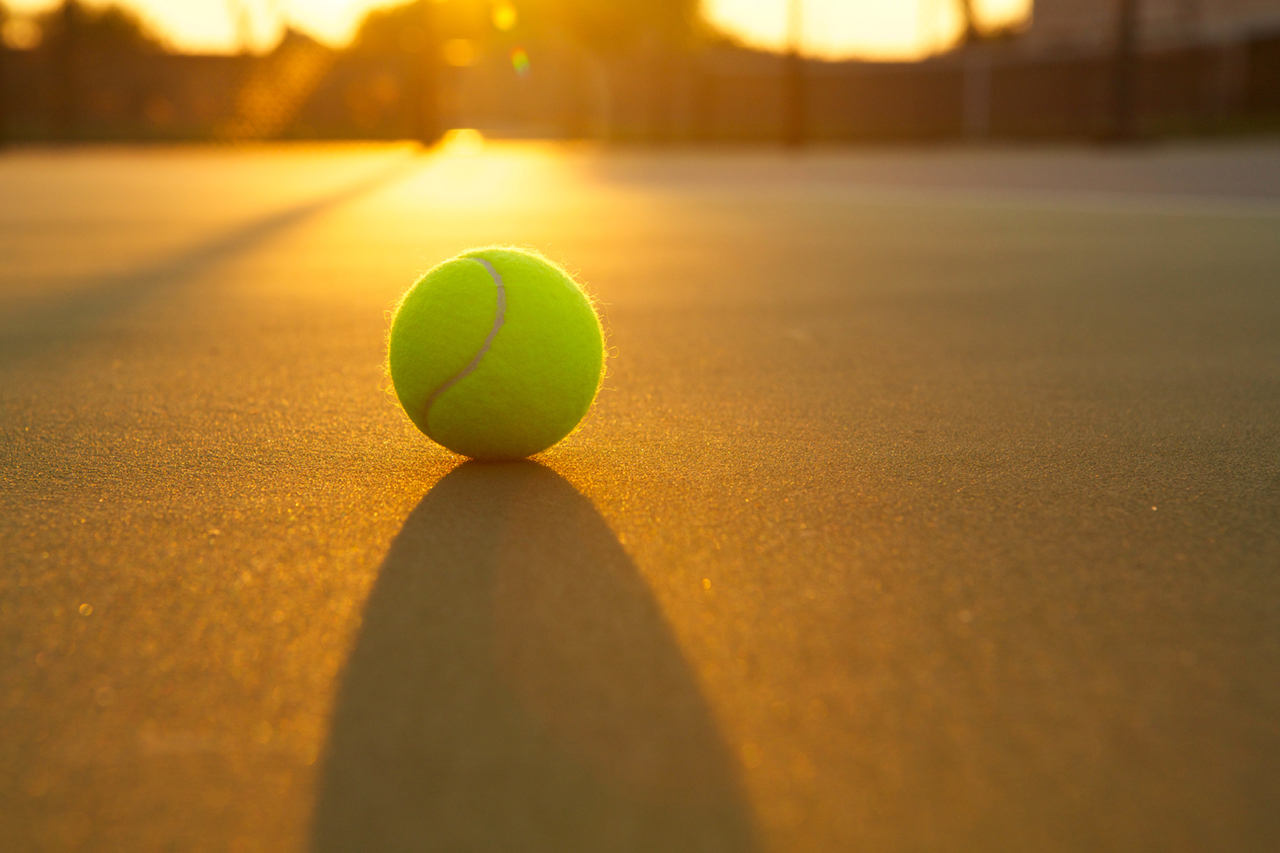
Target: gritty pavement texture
{"type": "Point", "coordinates": [932, 503]}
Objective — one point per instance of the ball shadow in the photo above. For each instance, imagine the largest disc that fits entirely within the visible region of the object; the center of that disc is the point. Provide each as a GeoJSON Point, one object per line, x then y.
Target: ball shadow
{"type": "Point", "coordinates": [516, 688]}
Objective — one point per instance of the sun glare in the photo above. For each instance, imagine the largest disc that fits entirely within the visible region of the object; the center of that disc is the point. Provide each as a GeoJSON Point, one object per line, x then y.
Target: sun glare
{"type": "Point", "coordinates": [226, 25]}
{"type": "Point", "coordinates": [874, 29]}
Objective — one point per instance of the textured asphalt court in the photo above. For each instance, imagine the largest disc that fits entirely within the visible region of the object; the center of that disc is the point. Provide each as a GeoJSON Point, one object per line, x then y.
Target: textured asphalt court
{"type": "Point", "coordinates": [932, 504]}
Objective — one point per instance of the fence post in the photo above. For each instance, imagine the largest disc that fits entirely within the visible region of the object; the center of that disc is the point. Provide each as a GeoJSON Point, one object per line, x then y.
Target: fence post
{"type": "Point", "coordinates": [426, 117]}
{"type": "Point", "coordinates": [1231, 81]}
{"type": "Point", "coordinates": [977, 91]}
{"type": "Point", "coordinates": [64, 57]}
{"type": "Point", "coordinates": [1125, 73]}
{"type": "Point", "coordinates": [4, 87]}
{"type": "Point", "coordinates": [793, 88]}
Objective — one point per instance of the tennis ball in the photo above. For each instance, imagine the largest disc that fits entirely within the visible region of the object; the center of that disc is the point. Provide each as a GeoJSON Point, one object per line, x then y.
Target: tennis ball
{"type": "Point", "coordinates": [496, 354]}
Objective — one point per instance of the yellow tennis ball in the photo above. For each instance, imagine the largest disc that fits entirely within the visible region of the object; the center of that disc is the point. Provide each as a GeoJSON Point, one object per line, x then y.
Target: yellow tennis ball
{"type": "Point", "coordinates": [496, 354]}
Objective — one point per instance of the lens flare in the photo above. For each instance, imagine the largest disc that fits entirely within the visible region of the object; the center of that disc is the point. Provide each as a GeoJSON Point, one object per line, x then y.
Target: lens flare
{"type": "Point", "coordinates": [520, 61]}
{"type": "Point", "coordinates": [505, 17]}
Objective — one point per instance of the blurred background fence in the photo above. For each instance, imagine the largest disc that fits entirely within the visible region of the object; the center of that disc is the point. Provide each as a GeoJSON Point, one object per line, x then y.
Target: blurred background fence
{"type": "Point", "coordinates": [92, 74]}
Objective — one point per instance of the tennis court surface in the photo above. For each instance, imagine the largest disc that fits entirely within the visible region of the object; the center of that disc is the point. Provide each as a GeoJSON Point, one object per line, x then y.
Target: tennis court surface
{"type": "Point", "coordinates": [932, 503]}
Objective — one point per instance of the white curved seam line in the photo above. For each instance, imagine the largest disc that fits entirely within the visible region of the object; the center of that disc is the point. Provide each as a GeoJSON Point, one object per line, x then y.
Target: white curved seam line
{"type": "Point", "coordinates": [484, 348]}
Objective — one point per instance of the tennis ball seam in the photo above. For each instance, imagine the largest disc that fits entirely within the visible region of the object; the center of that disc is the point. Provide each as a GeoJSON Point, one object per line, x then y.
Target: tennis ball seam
{"type": "Point", "coordinates": [498, 318]}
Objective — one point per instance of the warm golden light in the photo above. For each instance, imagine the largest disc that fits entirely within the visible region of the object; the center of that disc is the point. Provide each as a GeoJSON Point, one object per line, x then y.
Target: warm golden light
{"type": "Point", "coordinates": [505, 17]}
{"type": "Point", "coordinates": [223, 25]}
{"type": "Point", "coordinates": [459, 52]}
{"type": "Point", "coordinates": [872, 29]}
{"type": "Point", "coordinates": [462, 142]}
{"type": "Point", "coordinates": [876, 29]}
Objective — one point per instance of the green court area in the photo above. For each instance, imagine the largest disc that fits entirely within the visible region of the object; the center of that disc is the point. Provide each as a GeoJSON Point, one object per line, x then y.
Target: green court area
{"type": "Point", "coordinates": [932, 503]}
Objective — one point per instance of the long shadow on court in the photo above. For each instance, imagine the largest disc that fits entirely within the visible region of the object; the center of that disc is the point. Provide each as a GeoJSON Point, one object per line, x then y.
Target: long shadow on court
{"type": "Point", "coordinates": [516, 688]}
{"type": "Point", "coordinates": [30, 331]}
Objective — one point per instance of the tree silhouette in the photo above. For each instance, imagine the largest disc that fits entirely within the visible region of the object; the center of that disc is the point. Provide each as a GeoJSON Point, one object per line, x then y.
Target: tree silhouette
{"type": "Point", "coordinates": [108, 27]}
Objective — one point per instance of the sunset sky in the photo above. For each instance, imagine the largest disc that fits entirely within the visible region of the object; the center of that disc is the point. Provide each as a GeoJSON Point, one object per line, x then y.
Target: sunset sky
{"type": "Point", "coordinates": [831, 28]}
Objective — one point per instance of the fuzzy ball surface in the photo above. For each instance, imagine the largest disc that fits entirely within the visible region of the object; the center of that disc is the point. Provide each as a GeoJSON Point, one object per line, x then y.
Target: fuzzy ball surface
{"type": "Point", "coordinates": [496, 354]}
